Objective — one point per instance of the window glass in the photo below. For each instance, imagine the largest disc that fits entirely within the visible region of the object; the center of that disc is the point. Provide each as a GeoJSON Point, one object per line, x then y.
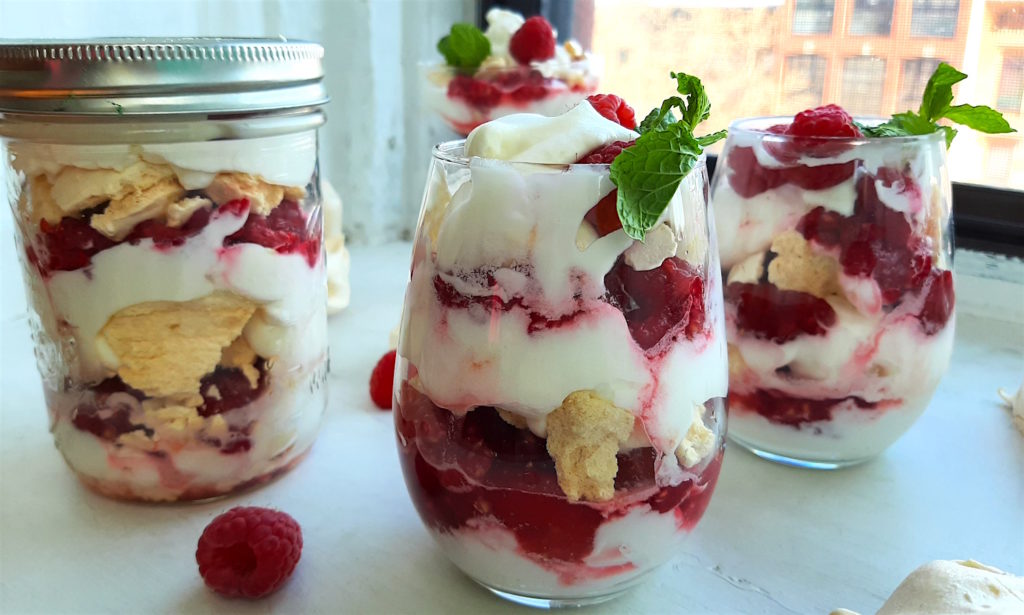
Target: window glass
{"type": "Point", "coordinates": [813, 16]}
{"type": "Point", "coordinates": [1011, 84]}
{"type": "Point", "coordinates": [803, 84]}
{"type": "Point", "coordinates": [934, 18]}
{"type": "Point", "coordinates": [913, 78]}
{"type": "Point", "coordinates": [863, 81]}
{"type": "Point", "coordinates": [871, 17]}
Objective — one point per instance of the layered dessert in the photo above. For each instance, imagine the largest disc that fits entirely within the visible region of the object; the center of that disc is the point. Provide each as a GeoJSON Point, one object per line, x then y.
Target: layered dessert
{"type": "Point", "coordinates": [839, 294]}
{"type": "Point", "coordinates": [515, 66]}
{"type": "Point", "coordinates": [560, 385]}
{"type": "Point", "coordinates": [179, 308]}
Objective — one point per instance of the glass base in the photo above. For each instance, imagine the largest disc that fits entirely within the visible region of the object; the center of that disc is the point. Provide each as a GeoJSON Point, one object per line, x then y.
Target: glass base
{"type": "Point", "coordinates": [553, 603]}
{"type": "Point", "coordinates": [809, 464]}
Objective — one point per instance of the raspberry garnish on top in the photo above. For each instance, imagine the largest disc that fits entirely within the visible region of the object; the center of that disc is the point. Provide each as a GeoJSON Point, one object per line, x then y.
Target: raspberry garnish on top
{"type": "Point", "coordinates": [249, 552]}
{"type": "Point", "coordinates": [824, 121]}
{"type": "Point", "coordinates": [614, 108]}
{"type": "Point", "coordinates": [533, 41]}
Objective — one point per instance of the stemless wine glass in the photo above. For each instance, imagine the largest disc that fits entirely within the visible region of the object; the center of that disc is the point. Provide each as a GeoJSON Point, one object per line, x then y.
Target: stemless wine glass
{"type": "Point", "coordinates": [559, 391]}
{"type": "Point", "coordinates": [839, 295]}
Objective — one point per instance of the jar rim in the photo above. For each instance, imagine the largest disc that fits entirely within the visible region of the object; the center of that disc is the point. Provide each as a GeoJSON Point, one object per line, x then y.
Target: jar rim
{"type": "Point", "coordinates": [111, 77]}
{"type": "Point", "coordinates": [452, 152]}
{"type": "Point", "coordinates": [757, 127]}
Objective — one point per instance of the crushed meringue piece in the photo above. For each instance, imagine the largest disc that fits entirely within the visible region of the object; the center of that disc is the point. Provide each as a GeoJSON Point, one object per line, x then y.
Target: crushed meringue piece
{"type": "Point", "coordinates": [956, 586]}
{"type": "Point", "coordinates": [1016, 404]}
{"type": "Point", "coordinates": [698, 443]}
{"type": "Point", "coordinates": [263, 197]}
{"type": "Point", "coordinates": [164, 348]}
{"type": "Point", "coordinates": [659, 244]}
{"type": "Point", "coordinates": [512, 419]}
{"type": "Point", "coordinates": [393, 337]}
{"type": "Point", "coordinates": [217, 427]}
{"type": "Point", "coordinates": [240, 355]}
{"type": "Point", "coordinates": [797, 267]}
{"type": "Point", "coordinates": [39, 198]}
{"type": "Point", "coordinates": [584, 435]}
{"type": "Point", "coordinates": [295, 193]}
{"type": "Point", "coordinates": [574, 49]}
{"type": "Point", "coordinates": [178, 213]}
{"type": "Point", "coordinates": [339, 293]}
{"type": "Point", "coordinates": [747, 271]}
{"type": "Point", "coordinates": [123, 213]}
{"type": "Point", "coordinates": [585, 236]}
{"type": "Point", "coordinates": [138, 440]}
{"type": "Point", "coordinates": [75, 189]}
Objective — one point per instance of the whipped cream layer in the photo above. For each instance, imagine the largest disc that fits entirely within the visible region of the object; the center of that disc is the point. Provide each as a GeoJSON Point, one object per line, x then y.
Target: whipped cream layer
{"type": "Point", "coordinates": [287, 160]}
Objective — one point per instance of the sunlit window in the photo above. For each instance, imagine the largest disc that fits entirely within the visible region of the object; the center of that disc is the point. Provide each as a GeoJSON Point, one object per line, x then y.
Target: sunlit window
{"type": "Point", "coordinates": [804, 82]}
{"type": "Point", "coordinates": [863, 79]}
{"type": "Point", "coordinates": [934, 18]}
{"type": "Point", "coordinates": [871, 17]}
{"type": "Point", "coordinates": [1011, 84]}
{"type": "Point", "coordinates": [913, 78]}
{"type": "Point", "coordinates": [813, 16]}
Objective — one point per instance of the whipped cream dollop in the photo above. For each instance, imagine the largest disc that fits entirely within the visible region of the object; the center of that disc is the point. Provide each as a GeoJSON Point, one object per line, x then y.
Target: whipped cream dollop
{"type": "Point", "coordinates": [501, 25]}
{"type": "Point", "coordinates": [528, 137]}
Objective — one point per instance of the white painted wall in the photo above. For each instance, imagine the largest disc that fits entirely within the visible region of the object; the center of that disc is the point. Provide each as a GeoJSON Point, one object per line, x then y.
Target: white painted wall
{"type": "Point", "coordinates": [376, 144]}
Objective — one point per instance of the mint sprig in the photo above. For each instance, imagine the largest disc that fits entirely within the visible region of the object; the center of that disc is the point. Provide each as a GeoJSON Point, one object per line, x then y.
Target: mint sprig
{"type": "Point", "coordinates": [648, 173]}
{"type": "Point", "coordinates": [465, 47]}
{"type": "Point", "coordinates": [936, 105]}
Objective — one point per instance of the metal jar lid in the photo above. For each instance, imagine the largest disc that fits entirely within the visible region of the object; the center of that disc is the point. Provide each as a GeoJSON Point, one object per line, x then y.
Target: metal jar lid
{"type": "Point", "coordinates": [149, 76]}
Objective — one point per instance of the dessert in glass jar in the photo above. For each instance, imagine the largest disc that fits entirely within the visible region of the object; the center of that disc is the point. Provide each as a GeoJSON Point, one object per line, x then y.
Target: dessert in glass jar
{"type": "Point", "coordinates": [559, 392]}
{"type": "Point", "coordinates": [515, 66]}
{"type": "Point", "coordinates": [174, 265]}
{"type": "Point", "coordinates": [837, 252]}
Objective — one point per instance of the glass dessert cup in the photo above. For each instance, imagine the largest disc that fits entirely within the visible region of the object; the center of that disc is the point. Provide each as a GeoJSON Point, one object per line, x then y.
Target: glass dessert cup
{"type": "Point", "coordinates": [559, 391]}
{"type": "Point", "coordinates": [465, 101]}
{"type": "Point", "coordinates": [839, 299]}
{"type": "Point", "coordinates": [178, 298]}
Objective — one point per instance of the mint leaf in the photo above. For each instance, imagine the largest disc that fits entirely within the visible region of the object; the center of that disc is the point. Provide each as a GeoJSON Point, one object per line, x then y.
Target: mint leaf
{"type": "Point", "coordinates": [980, 118]}
{"type": "Point", "coordinates": [712, 138]}
{"type": "Point", "coordinates": [661, 118]}
{"type": "Point", "coordinates": [698, 107]}
{"type": "Point", "coordinates": [648, 174]}
{"type": "Point", "coordinates": [938, 92]}
{"type": "Point", "coordinates": [465, 47]}
{"type": "Point", "coordinates": [888, 129]}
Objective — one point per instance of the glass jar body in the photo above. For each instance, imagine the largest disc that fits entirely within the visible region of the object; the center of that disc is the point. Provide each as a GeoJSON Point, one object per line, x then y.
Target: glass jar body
{"type": "Point", "coordinates": [559, 395]}
{"type": "Point", "coordinates": [176, 284]}
{"type": "Point", "coordinates": [837, 256]}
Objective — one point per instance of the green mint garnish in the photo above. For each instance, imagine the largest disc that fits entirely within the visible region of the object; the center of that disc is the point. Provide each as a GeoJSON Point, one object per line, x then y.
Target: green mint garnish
{"type": "Point", "coordinates": [649, 172]}
{"type": "Point", "coordinates": [465, 47]}
{"type": "Point", "coordinates": [935, 105]}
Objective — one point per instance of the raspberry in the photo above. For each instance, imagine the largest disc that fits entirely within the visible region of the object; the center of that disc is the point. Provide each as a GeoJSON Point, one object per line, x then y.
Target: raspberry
{"type": "Point", "coordinates": [164, 236]}
{"type": "Point", "coordinates": [604, 216]}
{"type": "Point", "coordinates": [249, 552]}
{"type": "Point", "coordinates": [938, 304]}
{"type": "Point", "coordinates": [68, 245]}
{"type": "Point", "coordinates": [656, 302]}
{"type": "Point", "coordinates": [826, 121]}
{"type": "Point", "coordinates": [284, 230]}
{"type": "Point", "coordinates": [475, 92]}
{"type": "Point", "coordinates": [534, 40]}
{"type": "Point", "coordinates": [233, 389]}
{"type": "Point", "coordinates": [748, 177]}
{"type": "Point", "coordinates": [614, 108]}
{"type": "Point", "coordinates": [382, 381]}
{"type": "Point", "coordinates": [778, 315]}
{"type": "Point", "coordinates": [606, 153]}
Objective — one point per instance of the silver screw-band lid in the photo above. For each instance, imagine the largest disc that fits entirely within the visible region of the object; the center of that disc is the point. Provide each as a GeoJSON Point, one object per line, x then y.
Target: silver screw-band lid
{"type": "Point", "coordinates": [145, 76]}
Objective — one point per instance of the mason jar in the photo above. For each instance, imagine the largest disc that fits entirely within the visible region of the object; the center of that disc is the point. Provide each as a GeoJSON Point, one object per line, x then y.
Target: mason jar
{"type": "Point", "coordinates": [837, 255]}
{"type": "Point", "coordinates": [168, 219]}
{"type": "Point", "coordinates": [559, 391]}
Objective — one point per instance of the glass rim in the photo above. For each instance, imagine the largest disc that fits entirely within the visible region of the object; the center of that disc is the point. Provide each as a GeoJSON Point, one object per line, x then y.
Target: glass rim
{"type": "Point", "coordinates": [444, 151]}
{"type": "Point", "coordinates": [741, 126]}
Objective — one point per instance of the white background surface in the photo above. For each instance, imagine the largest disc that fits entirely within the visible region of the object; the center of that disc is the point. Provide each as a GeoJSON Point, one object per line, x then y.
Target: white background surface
{"type": "Point", "coordinates": [774, 539]}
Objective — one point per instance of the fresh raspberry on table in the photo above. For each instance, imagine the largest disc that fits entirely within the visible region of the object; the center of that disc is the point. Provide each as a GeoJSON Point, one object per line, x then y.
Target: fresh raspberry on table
{"type": "Point", "coordinates": [534, 40]}
{"type": "Point", "coordinates": [614, 108]}
{"type": "Point", "coordinates": [249, 552]}
{"type": "Point", "coordinates": [382, 381]}
{"type": "Point", "coordinates": [826, 121]}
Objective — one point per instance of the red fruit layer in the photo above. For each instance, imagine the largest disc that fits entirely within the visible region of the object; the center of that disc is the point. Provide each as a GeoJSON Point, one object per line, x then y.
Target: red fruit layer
{"type": "Point", "coordinates": [507, 87]}
{"type": "Point", "coordinates": [71, 244]}
{"type": "Point", "coordinates": [604, 216]}
{"type": "Point", "coordinates": [782, 409]}
{"type": "Point", "coordinates": [655, 303]}
{"type": "Point", "coordinates": [285, 230]}
{"type": "Point", "coordinates": [605, 154]}
{"type": "Point", "coordinates": [479, 469]}
{"type": "Point", "coordinates": [749, 178]}
{"type": "Point", "coordinates": [769, 313]}
{"type": "Point", "coordinates": [232, 386]}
